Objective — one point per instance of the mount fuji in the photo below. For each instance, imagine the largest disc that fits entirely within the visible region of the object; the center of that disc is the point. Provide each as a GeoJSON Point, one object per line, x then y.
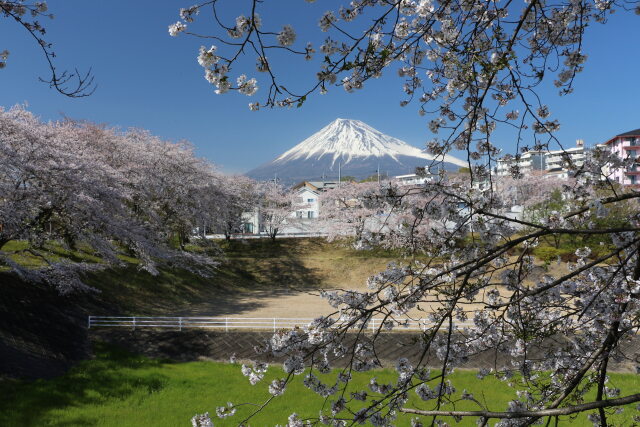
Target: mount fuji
{"type": "Point", "coordinates": [355, 148]}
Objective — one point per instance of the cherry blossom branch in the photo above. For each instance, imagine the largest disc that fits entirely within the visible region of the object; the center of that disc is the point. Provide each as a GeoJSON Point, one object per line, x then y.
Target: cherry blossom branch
{"type": "Point", "coordinates": [84, 85]}
{"type": "Point", "coordinates": [567, 410]}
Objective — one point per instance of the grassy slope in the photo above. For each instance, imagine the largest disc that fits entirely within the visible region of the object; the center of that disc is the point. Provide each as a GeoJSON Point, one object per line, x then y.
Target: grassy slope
{"type": "Point", "coordinates": [42, 333]}
{"type": "Point", "coordinates": [247, 266]}
{"type": "Point", "coordinates": [118, 389]}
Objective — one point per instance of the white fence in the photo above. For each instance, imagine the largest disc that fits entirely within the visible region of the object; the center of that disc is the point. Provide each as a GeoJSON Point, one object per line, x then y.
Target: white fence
{"type": "Point", "coordinates": [263, 235]}
{"type": "Point", "coordinates": [227, 323]}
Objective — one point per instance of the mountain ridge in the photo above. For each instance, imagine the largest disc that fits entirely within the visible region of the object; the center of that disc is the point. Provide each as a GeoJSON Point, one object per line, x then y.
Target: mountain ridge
{"type": "Point", "coordinates": [353, 146]}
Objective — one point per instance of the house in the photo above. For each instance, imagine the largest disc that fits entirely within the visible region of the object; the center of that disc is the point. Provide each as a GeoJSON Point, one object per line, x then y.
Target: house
{"type": "Point", "coordinates": [307, 205]}
{"type": "Point", "coordinates": [309, 194]}
{"type": "Point", "coordinates": [626, 145]}
{"type": "Point", "coordinates": [251, 221]}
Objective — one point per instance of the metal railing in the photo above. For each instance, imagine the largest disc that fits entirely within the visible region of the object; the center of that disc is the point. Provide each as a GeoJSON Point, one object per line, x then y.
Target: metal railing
{"type": "Point", "coordinates": [228, 323]}
{"type": "Point", "coordinates": [263, 235]}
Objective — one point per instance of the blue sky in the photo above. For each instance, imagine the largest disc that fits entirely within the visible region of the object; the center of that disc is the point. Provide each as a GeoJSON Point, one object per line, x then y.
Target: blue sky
{"type": "Point", "coordinates": [150, 80]}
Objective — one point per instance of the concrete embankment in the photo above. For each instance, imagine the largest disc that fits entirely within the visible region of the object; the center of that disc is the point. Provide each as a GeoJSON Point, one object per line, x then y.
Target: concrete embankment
{"type": "Point", "coordinates": [191, 345]}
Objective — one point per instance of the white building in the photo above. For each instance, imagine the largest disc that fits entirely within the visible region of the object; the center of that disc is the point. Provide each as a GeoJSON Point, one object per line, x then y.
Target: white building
{"type": "Point", "coordinates": [307, 205]}
{"type": "Point", "coordinates": [251, 221]}
{"type": "Point", "coordinates": [528, 162]}
{"type": "Point", "coordinates": [553, 162]}
{"type": "Point", "coordinates": [413, 179]}
{"type": "Point", "coordinates": [556, 161]}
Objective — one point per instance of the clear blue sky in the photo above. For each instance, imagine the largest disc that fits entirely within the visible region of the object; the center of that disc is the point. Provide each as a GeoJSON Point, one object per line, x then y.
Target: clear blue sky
{"type": "Point", "coordinates": [150, 80]}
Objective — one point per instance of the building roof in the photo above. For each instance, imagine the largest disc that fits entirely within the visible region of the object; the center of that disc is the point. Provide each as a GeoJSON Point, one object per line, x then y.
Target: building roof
{"type": "Point", "coordinates": [566, 150]}
{"type": "Point", "coordinates": [635, 132]}
{"type": "Point", "coordinates": [316, 185]}
{"type": "Point", "coordinates": [302, 189]}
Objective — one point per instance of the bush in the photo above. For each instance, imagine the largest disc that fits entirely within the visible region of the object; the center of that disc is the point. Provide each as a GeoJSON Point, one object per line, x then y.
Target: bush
{"type": "Point", "coordinates": [547, 254]}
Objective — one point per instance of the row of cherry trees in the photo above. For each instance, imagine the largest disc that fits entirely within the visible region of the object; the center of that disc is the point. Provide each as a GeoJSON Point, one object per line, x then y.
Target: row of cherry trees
{"type": "Point", "coordinates": [88, 186]}
{"type": "Point", "coordinates": [398, 216]}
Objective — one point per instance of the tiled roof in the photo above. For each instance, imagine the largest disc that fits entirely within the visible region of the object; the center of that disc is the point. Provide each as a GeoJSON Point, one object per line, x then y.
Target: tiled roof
{"type": "Point", "coordinates": [635, 132]}
{"type": "Point", "coordinates": [316, 185]}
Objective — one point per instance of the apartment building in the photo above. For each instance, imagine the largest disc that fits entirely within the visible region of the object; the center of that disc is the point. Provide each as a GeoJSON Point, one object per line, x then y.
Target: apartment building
{"type": "Point", "coordinates": [529, 162]}
{"type": "Point", "coordinates": [554, 162]}
{"type": "Point", "coordinates": [626, 145]}
{"type": "Point", "coordinates": [414, 179]}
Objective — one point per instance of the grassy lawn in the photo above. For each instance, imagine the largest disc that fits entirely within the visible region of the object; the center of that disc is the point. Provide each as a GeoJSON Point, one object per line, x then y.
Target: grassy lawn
{"type": "Point", "coordinates": [120, 389]}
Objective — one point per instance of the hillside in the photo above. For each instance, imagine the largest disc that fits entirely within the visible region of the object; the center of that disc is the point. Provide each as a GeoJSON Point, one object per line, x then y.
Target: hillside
{"type": "Point", "coordinates": [42, 333]}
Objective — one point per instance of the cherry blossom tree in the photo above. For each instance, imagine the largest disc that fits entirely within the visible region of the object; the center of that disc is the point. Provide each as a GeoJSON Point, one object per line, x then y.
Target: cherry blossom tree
{"type": "Point", "coordinates": [531, 190]}
{"type": "Point", "coordinates": [347, 210]}
{"type": "Point", "coordinates": [414, 213]}
{"type": "Point", "coordinates": [82, 185]}
{"type": "Point", "coordinates": [277, 208]}
{"type": "Point", "coordinates": [239, 195]}
{"type": "Point", "coordinates": [470, 67]}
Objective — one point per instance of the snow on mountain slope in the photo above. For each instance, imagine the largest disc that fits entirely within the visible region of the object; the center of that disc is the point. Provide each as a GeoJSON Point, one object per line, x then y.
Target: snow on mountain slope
{"type": "Point", "coordinates": [346, 139]}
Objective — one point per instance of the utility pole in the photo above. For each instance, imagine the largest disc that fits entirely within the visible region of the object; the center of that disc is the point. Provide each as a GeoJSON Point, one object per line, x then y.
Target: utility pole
{"type": "Point", "coordinates": [339, 173]}
{"type": "Point", "coordinates": [378, 172]}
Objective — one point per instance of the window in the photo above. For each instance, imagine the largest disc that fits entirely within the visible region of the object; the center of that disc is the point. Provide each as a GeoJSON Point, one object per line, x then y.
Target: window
{"type": "Point", "coordinates": [299, 214]}
{"type": "Point", "coordinates": [632, 178]}
{"type": "Point", "coordinates": [632, 153]}
{"type": "Point", "coordinates": [310, 214]}
{"type": "Point", "coordinates": [309, 200]}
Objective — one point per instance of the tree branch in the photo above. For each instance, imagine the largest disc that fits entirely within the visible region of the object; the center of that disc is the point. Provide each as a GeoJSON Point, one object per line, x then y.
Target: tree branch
{"type": "Point", "coordinates": [567, 410]}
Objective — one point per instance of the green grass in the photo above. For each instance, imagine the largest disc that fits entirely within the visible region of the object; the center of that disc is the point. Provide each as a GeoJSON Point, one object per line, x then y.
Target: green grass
{"type": "Point", "coordinates": [54, 252]}
{"type": "Point", "coordinates": [120, 389]}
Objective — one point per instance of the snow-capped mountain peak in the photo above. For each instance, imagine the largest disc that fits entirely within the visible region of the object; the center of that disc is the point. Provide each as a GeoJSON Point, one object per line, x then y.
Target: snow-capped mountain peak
{"type": "Point", "coordinates": [349, 148]}
{"type": "Point", "coordinates": [347, 139]}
